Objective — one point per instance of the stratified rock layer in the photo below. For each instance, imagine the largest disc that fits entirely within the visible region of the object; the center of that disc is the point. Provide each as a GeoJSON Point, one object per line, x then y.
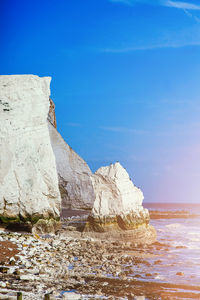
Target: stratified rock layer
{"type": "Point", "coordinates": [28, 178]}
{"type": "Point", "coordinates": [74, 174]}
{"type": "Point", "coordinates": [118, 206]}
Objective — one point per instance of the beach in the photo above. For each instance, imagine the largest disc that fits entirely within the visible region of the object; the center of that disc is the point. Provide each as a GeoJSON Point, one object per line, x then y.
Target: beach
{"type": "Point", "coordinates": [72, 266]}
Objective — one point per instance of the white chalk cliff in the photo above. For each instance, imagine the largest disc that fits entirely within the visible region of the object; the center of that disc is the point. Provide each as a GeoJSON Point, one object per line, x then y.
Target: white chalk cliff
{"type": "Point", "coordinates": [115, 192]}
{"type": "Point", "coordinates": [74, 174]}
{"type": "Point", "coordinates": [118, 203]}
{"type": "Point", "coordinates": [28, 178]}
{"type": "Point", "coordinates": [37, 168]}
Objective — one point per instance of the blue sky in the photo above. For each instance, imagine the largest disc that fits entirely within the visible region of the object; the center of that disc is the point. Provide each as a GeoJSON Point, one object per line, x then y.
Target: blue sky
{"type": "Point", "coordinates": [125, 81]}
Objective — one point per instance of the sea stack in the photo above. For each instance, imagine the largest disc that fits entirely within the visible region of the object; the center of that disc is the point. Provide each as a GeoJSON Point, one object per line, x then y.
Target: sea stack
{"type": "Point", "coordinates": [29, 193]}
{"type": "Point", "coordinates": [74, 174]}
{"type": "Point", "coordinates": [118, 206]}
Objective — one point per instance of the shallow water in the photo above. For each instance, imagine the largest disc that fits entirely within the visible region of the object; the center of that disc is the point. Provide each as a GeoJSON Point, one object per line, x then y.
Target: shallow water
{"type": "Point", "coordinates": [183, 238]}
{"type": "Point", "coordinates": [183, 253]}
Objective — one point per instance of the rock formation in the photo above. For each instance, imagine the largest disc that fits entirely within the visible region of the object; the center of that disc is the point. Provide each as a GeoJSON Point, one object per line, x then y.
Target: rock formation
{"type": "Point", "coordinates": [118, 205]}
{"type": "Point", "coordinates": [51, 114]}
{"type": "Point", "coordinates": [74, 174]}
{"type": "Point", "coordinates": [35, 159]}
{"type": "Point", "coordinates": [29, 191]}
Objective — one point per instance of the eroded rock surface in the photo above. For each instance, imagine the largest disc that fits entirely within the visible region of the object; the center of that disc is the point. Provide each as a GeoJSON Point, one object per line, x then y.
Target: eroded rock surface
{"type": "Point", "coordinates": [118, 205]}
{"type": "Point", "coordinates": [115, 192]}
{"type": "Point", "coordinates": [28, 178]}
{"type": "Point", "coordinates": [51, 114]}
{"type": "Point", "coordinates": [74, 174]}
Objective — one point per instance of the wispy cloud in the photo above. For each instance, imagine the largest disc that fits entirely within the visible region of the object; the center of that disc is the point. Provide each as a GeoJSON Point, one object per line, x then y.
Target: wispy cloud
{"type": "Point", "coordinates": [167, 3]}
{"type": "Point", "coordinates": [178, 42]}
{"type": "Point", "coordinates": [181, 5]}
{"type": "Point", "coordinates": [186, 7]}
{"type": "Point", "coordinates": [149, 47]}
{"type": "Point", "coordinates": [189, 14]}
{"type": "Point", "coordinates": [124, 130]}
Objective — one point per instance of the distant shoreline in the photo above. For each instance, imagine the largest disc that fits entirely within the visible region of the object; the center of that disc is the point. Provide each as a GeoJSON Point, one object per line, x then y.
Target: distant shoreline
{"type": "Point", "coordinates": [154, 214]}
{"type": "Point", "coordinates": [173, 210]}
{"type": "Point", "coordinates": [164, 204]}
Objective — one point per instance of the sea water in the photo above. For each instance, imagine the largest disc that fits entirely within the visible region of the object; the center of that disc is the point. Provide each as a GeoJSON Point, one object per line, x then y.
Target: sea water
{"type": "Point", "coordinates": [180, 262]}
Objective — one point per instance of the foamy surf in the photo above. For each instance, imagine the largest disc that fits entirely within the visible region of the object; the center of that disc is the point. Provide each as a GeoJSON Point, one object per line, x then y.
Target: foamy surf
{"type": "Point", "coordinates": [175, 226]}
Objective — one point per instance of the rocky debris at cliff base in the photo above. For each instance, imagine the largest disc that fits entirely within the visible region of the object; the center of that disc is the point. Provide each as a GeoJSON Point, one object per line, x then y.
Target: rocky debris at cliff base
{"type": "Point", "coordinates": [78, 225]}
{"type": "Point", "coordinates": [145, 234]}
{"type": "Point", "coordinates": [57, 263]}
{"type": "Point", "coordinates": [8, 253]}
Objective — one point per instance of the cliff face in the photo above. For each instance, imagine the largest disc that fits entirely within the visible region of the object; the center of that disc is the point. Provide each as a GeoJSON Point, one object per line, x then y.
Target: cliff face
{"type": "Point", "coordinates": [74, 174]}
{"type": "Point", "coordinates": [118, 206]}
{"type": "Point", "coordinates": [52, 114]}
{"type": "Point", "coordinates": [34, 160]}
{"type": "Point", "coordinates": [28, 178]}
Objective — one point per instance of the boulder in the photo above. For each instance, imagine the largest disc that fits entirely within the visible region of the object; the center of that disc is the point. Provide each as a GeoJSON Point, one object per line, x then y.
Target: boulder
{"type": "Point", "coordinates": [28, 179]}
{"type": "Point", "coordinates": [118, 206]}
{"type": "Point", "coordinates": [75, 184]}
